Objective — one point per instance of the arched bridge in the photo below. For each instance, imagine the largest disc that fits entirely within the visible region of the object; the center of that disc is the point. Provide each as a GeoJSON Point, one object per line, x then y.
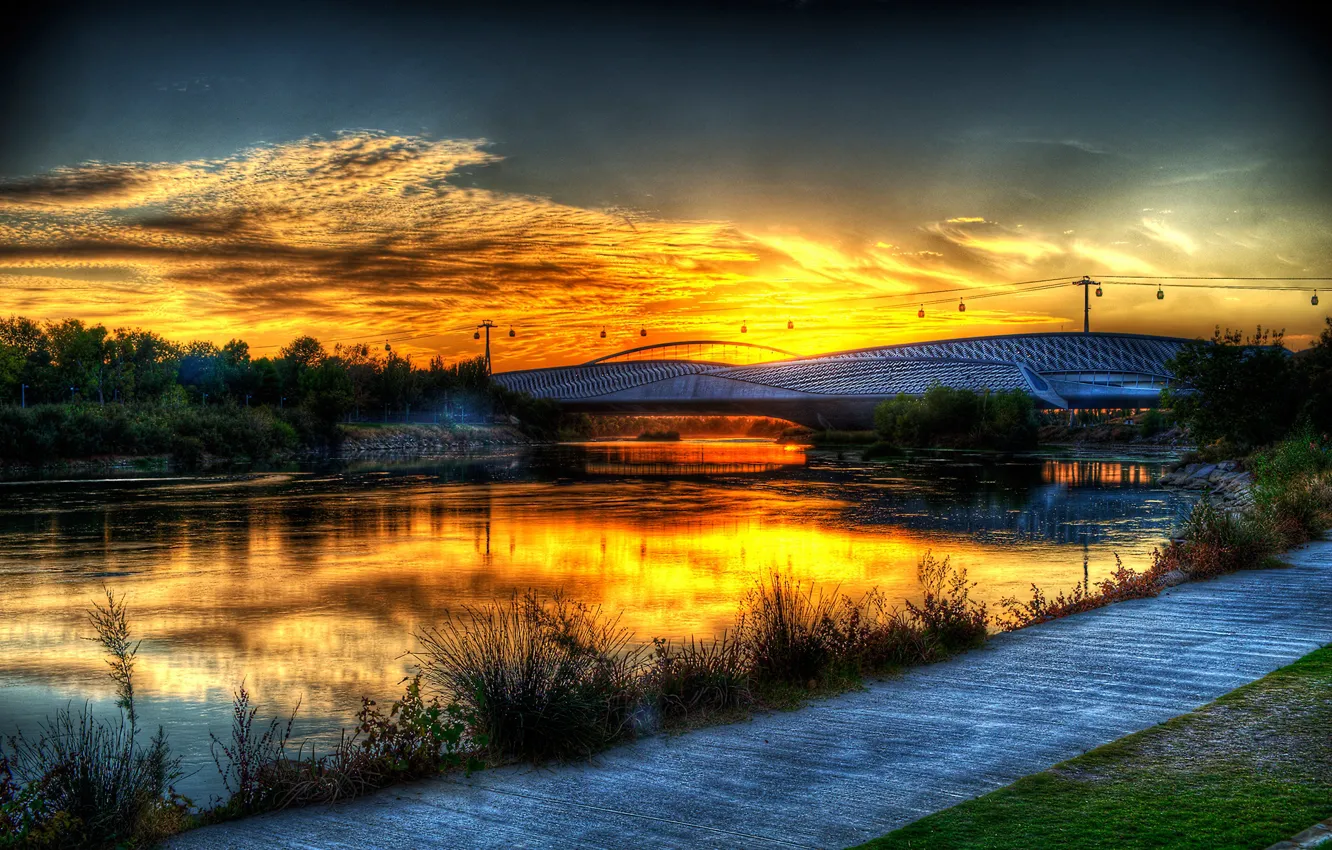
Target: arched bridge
{"type": "Point", "coordinates": [840, 390]}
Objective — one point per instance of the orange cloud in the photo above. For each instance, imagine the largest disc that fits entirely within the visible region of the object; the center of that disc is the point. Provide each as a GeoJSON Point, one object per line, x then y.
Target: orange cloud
{"type": "Point", "coordinates": [368, 235]}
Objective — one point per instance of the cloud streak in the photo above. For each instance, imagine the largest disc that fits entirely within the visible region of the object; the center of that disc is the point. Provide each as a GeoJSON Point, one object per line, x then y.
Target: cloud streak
{"type": "Point", "coordinates": [365, 235]}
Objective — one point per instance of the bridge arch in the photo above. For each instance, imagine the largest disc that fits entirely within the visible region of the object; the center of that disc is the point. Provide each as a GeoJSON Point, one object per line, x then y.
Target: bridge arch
{"type": "Point", "coordinates": [696, 350]}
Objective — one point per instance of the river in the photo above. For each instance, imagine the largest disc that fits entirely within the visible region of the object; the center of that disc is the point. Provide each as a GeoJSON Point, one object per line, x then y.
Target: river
{"type": "Point", "coordinates": [308, 584]}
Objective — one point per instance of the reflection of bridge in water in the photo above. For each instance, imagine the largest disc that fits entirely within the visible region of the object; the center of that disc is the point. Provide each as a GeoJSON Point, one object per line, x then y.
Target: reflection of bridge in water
{"type": "Point", "coordinates": [1060, 370]}
{"type": "Point", "coordinates": [1060, 501]}
{"type": "Point", "coordinates": [686, 459]}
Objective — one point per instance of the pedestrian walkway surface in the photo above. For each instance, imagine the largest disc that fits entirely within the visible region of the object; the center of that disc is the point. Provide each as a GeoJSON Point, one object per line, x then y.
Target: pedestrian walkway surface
{"type": "Point", "coordinates": [856, 766]}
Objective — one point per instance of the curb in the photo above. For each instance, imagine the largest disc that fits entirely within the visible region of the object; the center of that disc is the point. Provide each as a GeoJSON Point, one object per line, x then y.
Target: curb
{"type": "Point", "coordinates": [1318, 835]}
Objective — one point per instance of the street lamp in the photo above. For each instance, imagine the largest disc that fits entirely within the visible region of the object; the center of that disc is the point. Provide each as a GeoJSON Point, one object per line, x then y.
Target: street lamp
{"type": "Point", "coordinates": [247, 399]}
{"type": "Point", "coordinates": [23, 394]}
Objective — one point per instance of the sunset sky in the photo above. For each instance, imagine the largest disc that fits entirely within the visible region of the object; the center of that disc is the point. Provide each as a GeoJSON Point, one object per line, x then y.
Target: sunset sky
{"type": "Point", "coordinates": [397, 173]}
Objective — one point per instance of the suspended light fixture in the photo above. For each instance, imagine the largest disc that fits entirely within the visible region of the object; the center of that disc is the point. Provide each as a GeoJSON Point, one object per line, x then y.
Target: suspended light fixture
{"type": "Point", "coordinates": [511, 332]}
{"type": "Point", "coordinates": [961, 306]}
{"type": "Point", "coordinates": [1314, 300]}
{"type": "Point", "coordinates": [744, 328]}
{"type": "Point", "coordinates": [790, 325]}
{"type": "Point", "coordinates": [920, 314]}
{"type": "Point", "coordinates": [1160, 296]}
{"type": "Point", "coordinates": [603, 333]}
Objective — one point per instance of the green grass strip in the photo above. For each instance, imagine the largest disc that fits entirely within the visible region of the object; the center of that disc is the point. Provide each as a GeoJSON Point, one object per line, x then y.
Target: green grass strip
{"type": "Point", "coordinates": [1248, 770]}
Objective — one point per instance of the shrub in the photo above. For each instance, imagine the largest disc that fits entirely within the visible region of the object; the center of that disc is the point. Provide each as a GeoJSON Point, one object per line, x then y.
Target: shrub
{"type": "Point", "coordinates": [1124, 583]}
{"type": "Point", "coordinates": [414, 740]}
{"type": "Point", "coordinates": [947, 613]}
{"type": "Point", "coordinates": [87, 782]}
{"type": "Point", "coordinates": [786, 631]}
{"type": "Point", "coordinates": [1153, 422]}
{"type": "Point", "coordinates": [537, 678]}
{"type": "Point", "coordinates": [795, 636]}
{"type": "Point", "coordinates": [698, 677]}
{"type": "Point", "coordinates": [956, 417]}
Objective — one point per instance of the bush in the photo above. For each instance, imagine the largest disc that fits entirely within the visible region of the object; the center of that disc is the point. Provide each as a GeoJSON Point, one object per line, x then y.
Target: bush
{"type": "Point", "coordinates": [699, 677]}
{"type": "Point", "coordinates": [414, 740]}
{"type": "Point", "coordinates": [537, 678]}
{"type": "Point", "coordinates": [793, 636]}
{"type": "Point", "coordinates": [952, 417]}
{"type": "Point", "coordinates": [787, 633]}
{"type": "Point", "coordinates": [947, 613]}
{"type": "Point", "coordinates": [87, 782]}
{"type": "Point", "coordinates": [1153, 422]}
{"type": "Point", "coordinates": [48, 432]}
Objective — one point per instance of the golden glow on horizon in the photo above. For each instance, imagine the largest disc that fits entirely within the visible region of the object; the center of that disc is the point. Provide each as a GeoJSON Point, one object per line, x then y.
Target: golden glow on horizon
{"type": "Point", "coordinates": [367, 235]}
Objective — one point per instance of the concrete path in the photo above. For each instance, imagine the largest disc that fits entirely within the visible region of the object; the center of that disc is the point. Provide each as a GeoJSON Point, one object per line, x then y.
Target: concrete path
{"type": "Point", "coordinates": [847, 769]}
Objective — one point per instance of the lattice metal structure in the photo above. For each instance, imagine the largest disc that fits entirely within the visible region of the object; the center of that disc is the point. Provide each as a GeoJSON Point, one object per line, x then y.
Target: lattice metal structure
{"type": "Point", "coordinates": [698, 350]}
{"type": "Point", "coordinates": [1048, 353]}
{"type": "Point", "coordinates": [867, 377]}
{"type": "Point", "coordinates": [1065, 370]}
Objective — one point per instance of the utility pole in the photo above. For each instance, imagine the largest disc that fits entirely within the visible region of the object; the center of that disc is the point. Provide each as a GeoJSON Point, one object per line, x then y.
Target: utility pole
{"type": "Point", "coordinates": [487, 324]}
{"type": "Point", "coordinates": [1087, 283]}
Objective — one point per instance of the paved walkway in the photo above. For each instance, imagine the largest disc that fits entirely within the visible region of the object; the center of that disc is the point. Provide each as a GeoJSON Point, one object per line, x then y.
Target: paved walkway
{"type": "Point", "coordinates": [850, 768]}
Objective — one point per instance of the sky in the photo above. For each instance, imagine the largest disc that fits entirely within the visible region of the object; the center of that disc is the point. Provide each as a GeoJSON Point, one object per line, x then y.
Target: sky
{"type": "Point", "coordinates": [400, 172]}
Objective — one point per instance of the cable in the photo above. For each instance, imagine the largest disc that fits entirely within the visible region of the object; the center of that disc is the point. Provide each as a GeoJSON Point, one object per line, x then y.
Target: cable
{"type": "Point", "coordinates": [1173, 277]}
{"type": "Point", "coordinates": [1216, 286]}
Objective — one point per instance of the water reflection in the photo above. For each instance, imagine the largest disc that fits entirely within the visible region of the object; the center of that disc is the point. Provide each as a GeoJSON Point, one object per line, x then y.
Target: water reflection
{"type": "Point", "coordinates": [310, 584]}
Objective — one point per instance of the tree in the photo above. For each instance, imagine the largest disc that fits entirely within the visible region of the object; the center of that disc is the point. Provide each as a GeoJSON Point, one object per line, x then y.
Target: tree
{"type": "Point", "coordinates": [1315, 376]}
{"type": "Point", "coordinates": [79, 356]}
{"type": "Point", "coordinates": [1243, 390]}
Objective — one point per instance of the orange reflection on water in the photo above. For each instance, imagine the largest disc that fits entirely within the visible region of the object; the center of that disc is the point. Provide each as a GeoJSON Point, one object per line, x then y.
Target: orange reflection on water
{"type": "Point", "coordinates": [314, 589]}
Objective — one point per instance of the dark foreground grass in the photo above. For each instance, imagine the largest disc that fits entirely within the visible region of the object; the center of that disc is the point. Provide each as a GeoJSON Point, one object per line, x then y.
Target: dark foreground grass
{"type": "Point", "coordinates": [1248, 770]}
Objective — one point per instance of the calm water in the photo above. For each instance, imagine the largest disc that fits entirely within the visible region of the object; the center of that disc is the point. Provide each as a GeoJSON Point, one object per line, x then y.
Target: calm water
{"type": "Point", "coordinates": [309, 585]}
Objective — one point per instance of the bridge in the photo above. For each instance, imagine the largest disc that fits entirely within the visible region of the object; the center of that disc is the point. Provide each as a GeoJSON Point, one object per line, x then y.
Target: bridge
{"type": "Point", "coordinates": [840, 390]}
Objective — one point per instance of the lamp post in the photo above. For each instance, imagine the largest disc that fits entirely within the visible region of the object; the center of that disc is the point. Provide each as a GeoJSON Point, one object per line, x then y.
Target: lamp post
{"type": "Point", "coordinates": [23, 395]}
{"type": "Point", "coordinates": [247, 399]}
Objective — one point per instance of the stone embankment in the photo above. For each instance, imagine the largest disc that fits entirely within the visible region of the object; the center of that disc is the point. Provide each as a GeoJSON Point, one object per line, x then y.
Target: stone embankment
{"type": "Point", "coordinates": [425, 440]}
{"type": "Point", "coordinates": [1226, 482]}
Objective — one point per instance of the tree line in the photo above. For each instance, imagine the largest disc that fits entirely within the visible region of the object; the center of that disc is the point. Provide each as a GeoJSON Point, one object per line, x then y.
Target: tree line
{"type": "Point", "coordinates": [70, 361]}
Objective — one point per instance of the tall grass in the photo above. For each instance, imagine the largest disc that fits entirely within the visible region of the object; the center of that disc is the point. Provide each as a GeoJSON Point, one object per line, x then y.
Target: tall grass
{"type": "Point", "coordinates": [84, 781]}
{"type": "Point", "coordinates": [542, 678]}
{"type": "Point", "coordinates": [696, 677]}
{"type": "Point", "coordinates": [548, 678]}
{"type": "Point", "coordinates": [263, 770]}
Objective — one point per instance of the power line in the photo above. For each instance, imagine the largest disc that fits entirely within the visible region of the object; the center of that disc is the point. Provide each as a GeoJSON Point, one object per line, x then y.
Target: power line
{"type": "Point", "coordinates": [1218, 286]}
{"type": "Point", "coordinates": [1127, 277]}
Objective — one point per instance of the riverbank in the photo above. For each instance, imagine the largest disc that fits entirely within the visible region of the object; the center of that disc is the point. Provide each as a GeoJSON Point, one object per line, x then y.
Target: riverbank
{"type": "Point", "coordinates": [370, 439]}
{"type": "Point", "coordinates": [359, 441]}
{"type": "Point", "coordinates": [1249, 769]}
{"type": "Point", "coordinates": [852, 767]}
{"type": "Point", "coordinates": [1226, 482]}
